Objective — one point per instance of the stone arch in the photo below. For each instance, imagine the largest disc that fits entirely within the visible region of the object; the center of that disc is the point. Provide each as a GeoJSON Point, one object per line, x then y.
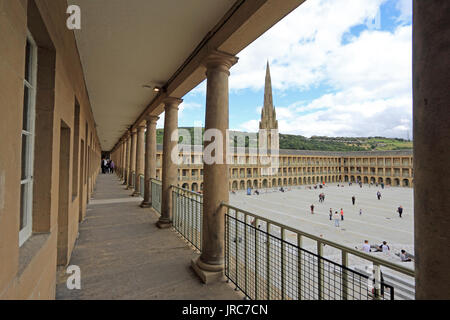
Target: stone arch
{"type": "Point", "coordinates": [194, 187]}
{"type": "Point", "coordinates": [290, 181]}
{"type": "Point", "coordinates": [186, 186]}
{"type": "Point", "coordinates": [294, 181]}
{"type": "Point", "coordinates": [249, 184]}
{"type": "Point", "coordinates": [279, 181]}
{"type": "Point", "coordinates": [366, 180]}
{"type": "Point", "coordinates": [346, 178]}
{"type": "Point", "coordinates": [234, 186]}
{"type": "Point", "coordinates": [264, 183]}
{"type": "Point", "coordinates": [284, 181]}
{"type": "Point", "coordinates": [405, 183]}
{"type": "Point", "coordinates": [396, 182]}
{"type": "Point", "coordinates": [274, 182]}
{"type": "Point", "coordinates": [380, 180]}
{"type": "Point", "coordinates": [255, 184]}
{"type": "Point", "coordinates": [242, 185]}
{"type": "Point", "coordinates": [388, 181]}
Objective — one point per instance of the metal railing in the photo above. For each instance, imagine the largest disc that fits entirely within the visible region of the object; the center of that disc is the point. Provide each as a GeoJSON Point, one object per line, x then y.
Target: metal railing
{"type": "Point", "coordinates": [156, 189]}
{"type": "Point", "coordinates": [267, 260]}
{"type": "Point", "coordinates": [187, 208]}
{"type": "Point", "coordinates": [133, 179]}
{"type": "Point", "coordinates": [141, 185]}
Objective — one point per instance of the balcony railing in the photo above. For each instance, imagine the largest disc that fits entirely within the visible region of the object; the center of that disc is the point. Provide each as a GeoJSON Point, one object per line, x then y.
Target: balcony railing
{"type": "Point", "coordinates": [156, 195]}
{"type": "Point", "coordinates": [187, 207]}
{"type": "Point", "coordinates": [141, 185]}
{"type": "Point", "coordinates": [267, 260]}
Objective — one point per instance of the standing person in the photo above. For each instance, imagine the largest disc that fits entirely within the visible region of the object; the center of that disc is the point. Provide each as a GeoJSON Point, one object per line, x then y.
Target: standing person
{"type": "Point", "coordinates": [312, 209]}
{"type": "Point", "coordinates": [331, 213]}
{"type": "Point", "coordinates": [366, 246]}
{"type": "Point", "coordinates": [378, 195]}
{"type": "Point", "coordinates": [353, 200]}
{"type": "Point", "coordinates": [400, 211]}
{"type": "Point", "coordinates": [360, 211]}
{"type": "Point", "coordinates": [336, 219]}
{"type": "Point", "coordinates": [103, 165]}
{"type": "Point", "coordinates": [342, 214]}
{"type": "Point", "coordinates": [112, 166]}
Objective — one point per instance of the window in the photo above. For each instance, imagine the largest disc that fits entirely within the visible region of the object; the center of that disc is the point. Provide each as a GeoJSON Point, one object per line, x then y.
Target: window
{"type": "Point", "coordinates": [29, 106]}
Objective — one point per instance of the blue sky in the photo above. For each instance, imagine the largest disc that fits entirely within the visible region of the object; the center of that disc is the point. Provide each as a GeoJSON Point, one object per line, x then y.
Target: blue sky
{"type": "Point", "coordinates": [339, 68]}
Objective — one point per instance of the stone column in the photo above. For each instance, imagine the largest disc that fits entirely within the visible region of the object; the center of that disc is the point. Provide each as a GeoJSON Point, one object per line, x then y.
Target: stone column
{"type": "Point", "coordinates": [169, 168]}
{"type": "Point", "coordinates": [150, 159]}
{"type": "Point", "coordinates": [132, 165]}
{"type": "Point", "coordinates": [127, 159]}
{"type": "Point", "coordinates": [431, 100]}
{"type": "Point", "coordinates": [140, 148]}
{"type": "Point", "coordinates": [209, 266]}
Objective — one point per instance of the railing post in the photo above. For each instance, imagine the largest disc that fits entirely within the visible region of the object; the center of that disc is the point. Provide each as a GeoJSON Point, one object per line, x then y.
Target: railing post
{"type": "Point", "coordinates": [268, 260]}
{"type": "Point", "coordinates": [256, 259]}
{"type": "Point", "coordinates": [283, 271]}
{"type": "Point", "coordinates": [320, 269]}
{"type": "Point", "coordinates": [299, 266]}
{"type": "Point", "coordinates": [246, 253]}
{"type": "Point", "coordinates": [344, 275]}
{"type": "Point", "coordinates": [377, 277]}
{"type": "Point", "coordinates": [236, 247]}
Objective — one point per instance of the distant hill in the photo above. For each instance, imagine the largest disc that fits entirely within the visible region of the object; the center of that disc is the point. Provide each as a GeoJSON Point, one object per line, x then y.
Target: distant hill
{"type": "Point", "coordinates": [297, 142]}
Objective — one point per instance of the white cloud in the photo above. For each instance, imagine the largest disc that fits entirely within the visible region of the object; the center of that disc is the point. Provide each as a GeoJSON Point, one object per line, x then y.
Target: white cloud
{"type": "Point", "coordinates": [370, 74]}
{"type": "Point", "coordinates": [406, 9]}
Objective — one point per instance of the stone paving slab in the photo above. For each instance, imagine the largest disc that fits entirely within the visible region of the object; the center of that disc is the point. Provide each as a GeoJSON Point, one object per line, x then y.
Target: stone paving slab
{"type": "Point", "coordinates": [123, 255]}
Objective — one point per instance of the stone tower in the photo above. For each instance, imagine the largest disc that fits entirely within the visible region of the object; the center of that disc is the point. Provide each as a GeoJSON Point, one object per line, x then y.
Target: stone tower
{"type": "Point", "coordinates": [268, 126]}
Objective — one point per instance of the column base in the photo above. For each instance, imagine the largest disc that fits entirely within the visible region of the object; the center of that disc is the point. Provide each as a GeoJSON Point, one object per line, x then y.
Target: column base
{"type": "Point", "coordinates": [163, 224]}
{"type": "Point", "coordinates": [215, 273]}
{"type": "Point", "coordinates": [135, 194]}
{"type": "Point", "coordinates": [145, 204]}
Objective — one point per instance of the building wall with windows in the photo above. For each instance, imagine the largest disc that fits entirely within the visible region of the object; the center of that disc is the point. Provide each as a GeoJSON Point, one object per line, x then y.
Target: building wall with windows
{"type": "Point", "coordinates": [302, 167]}
{"type": "Point", "coordinates": [49, 150]}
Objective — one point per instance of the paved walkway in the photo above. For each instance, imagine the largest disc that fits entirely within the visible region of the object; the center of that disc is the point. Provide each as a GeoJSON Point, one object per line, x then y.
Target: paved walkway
{"type": "Point", "coordinates": [123, 255]}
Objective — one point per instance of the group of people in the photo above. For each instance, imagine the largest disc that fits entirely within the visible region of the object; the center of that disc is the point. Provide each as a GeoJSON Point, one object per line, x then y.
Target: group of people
{"type": "Point", "coordinates": [107, 165]}
{"type": "Point", "coordinates": [322, 197]}
{"type": "Point", "coordinates": [384, 247]}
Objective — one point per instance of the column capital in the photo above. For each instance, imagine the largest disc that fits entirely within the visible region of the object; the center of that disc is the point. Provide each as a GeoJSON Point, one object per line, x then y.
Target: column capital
{"type": "Point", "coordinates": [150, 118]}
{"type": "Point", "coordinates": [172, 102]}
{"type": "Point", "coordinates": [219, 60]}
{"type": "Point", "coordinates": [140, 127]}
{"type": "Point", "coordinates": [133, 131]}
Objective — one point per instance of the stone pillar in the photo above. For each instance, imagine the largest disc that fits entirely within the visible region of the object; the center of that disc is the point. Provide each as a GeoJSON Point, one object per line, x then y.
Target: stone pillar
{"type": "Point", "coordinates": [209, 266]}
{"type": "Point", "coordinates": [140, 148]}
{"type": "Point", "coordinates": [132, 165]}
{"type": "Point", "coordinates": [127, 159]}
{"type": "Point", "coordinates": [431, 100]}
{"type": "Point", "coordinates": [150, 159]}
{"type": "Point", "coordinates": [169, 168]}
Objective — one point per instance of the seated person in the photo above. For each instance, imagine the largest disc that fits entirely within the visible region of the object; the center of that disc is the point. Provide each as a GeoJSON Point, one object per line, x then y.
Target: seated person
{"type": "Point", "coordinates": [404, 256]}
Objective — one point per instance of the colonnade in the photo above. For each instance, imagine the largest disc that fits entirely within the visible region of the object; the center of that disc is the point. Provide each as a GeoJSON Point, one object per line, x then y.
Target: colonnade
{"type": "Point", "coordinates": [135, 155]}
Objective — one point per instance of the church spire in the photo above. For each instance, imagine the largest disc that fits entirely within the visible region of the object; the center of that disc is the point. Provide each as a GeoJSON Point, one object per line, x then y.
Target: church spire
{"type": "Point", "coordinates": [268, 116]}
{"type": "Point", "coordinates": [268, 100]}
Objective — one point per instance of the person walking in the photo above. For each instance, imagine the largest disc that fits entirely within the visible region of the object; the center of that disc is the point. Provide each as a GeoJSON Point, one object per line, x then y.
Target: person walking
{"type": "Point", "coordinates": [112, 166]}
{"type": "Point", "coordinates": [379, 195]}
{"type": "Point", "coordinates": [342, 214]}
{"type": "Point", "coordinates": [353, 200]}
{"type": "Point", "coordinates": [336, 219]}
{"type": "Point", "coordinates": [312, 209]}
{"type": "Point", "coordinates": [331, 214]}
{"type": "Point", "coordinates": [400, 211]}
{"type": "Point", "coordinates": [360, 211]}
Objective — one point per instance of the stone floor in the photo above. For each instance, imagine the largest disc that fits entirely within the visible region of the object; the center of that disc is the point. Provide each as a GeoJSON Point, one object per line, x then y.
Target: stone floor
{"type": "Point", "coordinates": [123, 255]}
{"type": "Point", "coordinates": [378, 222]}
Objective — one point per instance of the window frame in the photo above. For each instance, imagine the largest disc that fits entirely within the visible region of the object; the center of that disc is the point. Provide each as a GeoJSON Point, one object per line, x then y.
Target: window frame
{"type": "Point", "coordinates": [28, 180]}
